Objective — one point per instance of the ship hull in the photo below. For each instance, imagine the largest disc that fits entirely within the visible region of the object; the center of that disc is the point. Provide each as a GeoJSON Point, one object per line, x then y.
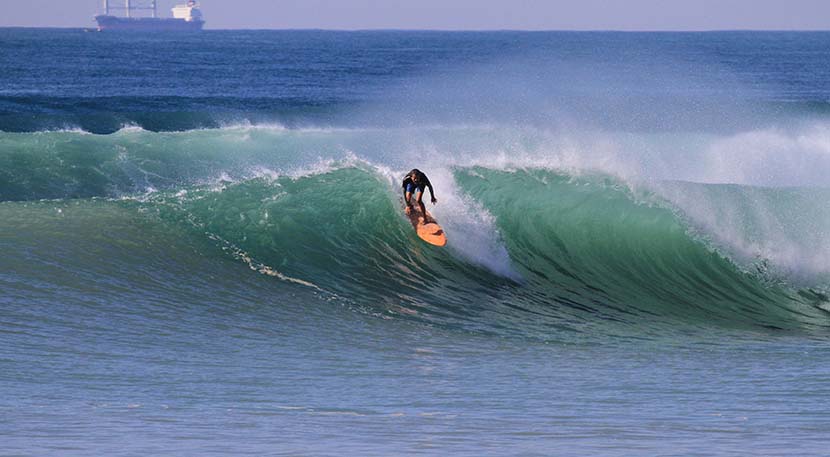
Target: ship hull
{"type": "Point", "coordinates": [147, 24]}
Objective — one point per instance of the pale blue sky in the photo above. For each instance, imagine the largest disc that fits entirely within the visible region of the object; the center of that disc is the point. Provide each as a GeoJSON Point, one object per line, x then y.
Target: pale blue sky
{"type": "Point", "coordinates": [458, 14]}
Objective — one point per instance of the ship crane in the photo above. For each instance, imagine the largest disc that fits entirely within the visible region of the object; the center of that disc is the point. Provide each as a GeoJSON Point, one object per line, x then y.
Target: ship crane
{"type": "Point", "coordinates": [186, 17]}
{"type": "Point", "coordinates": [128, 7]}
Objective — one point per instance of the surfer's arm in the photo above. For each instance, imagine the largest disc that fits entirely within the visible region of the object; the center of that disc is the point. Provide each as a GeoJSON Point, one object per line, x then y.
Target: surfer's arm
{"type": "Point", "coordinates": [431, 192]}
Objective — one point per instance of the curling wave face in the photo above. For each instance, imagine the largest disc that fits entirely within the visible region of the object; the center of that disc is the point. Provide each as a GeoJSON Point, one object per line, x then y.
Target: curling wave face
{"type": "Point", "coordinates": [534, 251]}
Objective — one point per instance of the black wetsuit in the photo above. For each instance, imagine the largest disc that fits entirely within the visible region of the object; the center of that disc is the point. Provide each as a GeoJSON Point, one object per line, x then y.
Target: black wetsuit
{"type": "Point", "coordinates": [423, 182]}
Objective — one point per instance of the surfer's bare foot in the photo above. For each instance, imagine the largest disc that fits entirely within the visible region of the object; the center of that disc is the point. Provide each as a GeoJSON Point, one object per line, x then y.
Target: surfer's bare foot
{"type": "Point", "coordinates": [408, 210]}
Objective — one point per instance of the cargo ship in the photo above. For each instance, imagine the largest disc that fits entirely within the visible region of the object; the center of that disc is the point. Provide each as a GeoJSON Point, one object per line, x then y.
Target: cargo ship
{"type": "Point", "coordinates": [186, 17]}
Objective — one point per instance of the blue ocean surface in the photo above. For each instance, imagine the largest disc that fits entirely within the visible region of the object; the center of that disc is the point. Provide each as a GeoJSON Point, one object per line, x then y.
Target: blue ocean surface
{"type": "Point", "coordinates": [204, 250]}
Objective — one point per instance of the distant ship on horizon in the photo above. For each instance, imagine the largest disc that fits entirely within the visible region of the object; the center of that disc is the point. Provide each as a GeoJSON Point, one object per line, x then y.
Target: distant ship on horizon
{"type": "Point", "coordinates": [186, 17]}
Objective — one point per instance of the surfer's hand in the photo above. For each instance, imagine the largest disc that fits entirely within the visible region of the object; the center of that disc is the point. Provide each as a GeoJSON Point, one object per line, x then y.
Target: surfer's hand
{"type": "Point", "coordinates": [434, 200]}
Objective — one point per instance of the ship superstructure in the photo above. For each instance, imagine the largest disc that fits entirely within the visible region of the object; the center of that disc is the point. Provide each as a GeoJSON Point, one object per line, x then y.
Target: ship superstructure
{"type": "Point", "coordinates": [187, 16]}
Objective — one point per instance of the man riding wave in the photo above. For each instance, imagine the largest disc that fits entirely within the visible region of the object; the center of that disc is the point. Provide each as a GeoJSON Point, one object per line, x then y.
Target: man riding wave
{"type": "Point", "coordinates": [415, 181]}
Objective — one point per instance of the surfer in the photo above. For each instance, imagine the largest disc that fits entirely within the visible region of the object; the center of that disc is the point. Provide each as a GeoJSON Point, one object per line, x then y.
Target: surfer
{"type": "Point", "coordinates": [416, 181]}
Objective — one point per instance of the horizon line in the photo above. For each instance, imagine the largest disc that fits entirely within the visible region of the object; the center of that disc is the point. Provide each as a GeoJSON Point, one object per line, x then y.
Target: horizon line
{"type": "Point", "coordinates": [444, 30]}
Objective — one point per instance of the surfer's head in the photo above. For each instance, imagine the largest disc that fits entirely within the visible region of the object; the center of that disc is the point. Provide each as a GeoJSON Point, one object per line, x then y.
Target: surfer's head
{"type": "Point", "coordinates": [415, 174]}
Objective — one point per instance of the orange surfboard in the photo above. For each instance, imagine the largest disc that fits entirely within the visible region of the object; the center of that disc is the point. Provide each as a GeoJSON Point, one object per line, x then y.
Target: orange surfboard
{"type": "Point", "coordinates": [426, 227]}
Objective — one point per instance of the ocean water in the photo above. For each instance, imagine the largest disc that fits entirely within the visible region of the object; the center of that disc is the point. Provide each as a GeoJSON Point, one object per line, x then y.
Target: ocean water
{"type": "Point", "coordinates": [204, 253]}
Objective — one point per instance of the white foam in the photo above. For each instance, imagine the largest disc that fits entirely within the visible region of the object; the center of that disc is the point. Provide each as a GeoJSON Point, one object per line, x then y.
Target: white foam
{"type": "Point", "coordinates": [246, 124]}
{"type": "Point", "coordinates": [751, 226]}
{"type": "Point", "coordinates": [131, 128]}
{"type": "Point", "coordinates": [471, 230]}
{"type": "Point", "coordinates": [65, 129]}
{"type": "Point", "coordinates": [770, 157]}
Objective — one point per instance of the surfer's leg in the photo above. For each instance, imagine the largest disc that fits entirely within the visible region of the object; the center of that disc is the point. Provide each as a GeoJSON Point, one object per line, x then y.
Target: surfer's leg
{"type": "Point", "coordinates": [408, 197]}
{"type": "Point", "coordinates": [418, 196]}
{"type": "Point", "coordinates": [408, 200]}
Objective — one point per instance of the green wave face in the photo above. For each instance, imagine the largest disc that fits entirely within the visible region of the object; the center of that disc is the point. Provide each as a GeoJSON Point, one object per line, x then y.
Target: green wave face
{"type": "Point", "coordinates": [75, 164]}
{"type": "Point", "coordinates": [341, 232]}
{"type": "Point", "coordinates": [588, 241]}
{"type": "Point", "coordinates": [585, 255]}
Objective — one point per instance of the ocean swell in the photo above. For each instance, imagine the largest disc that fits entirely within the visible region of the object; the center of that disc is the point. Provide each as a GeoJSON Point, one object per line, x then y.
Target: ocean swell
{"type": "Point", "coordinates": [544, 240]}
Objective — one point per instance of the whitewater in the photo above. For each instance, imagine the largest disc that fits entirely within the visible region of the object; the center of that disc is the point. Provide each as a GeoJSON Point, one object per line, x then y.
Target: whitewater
{"type": "Point", "coordinates": [211, 258]}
